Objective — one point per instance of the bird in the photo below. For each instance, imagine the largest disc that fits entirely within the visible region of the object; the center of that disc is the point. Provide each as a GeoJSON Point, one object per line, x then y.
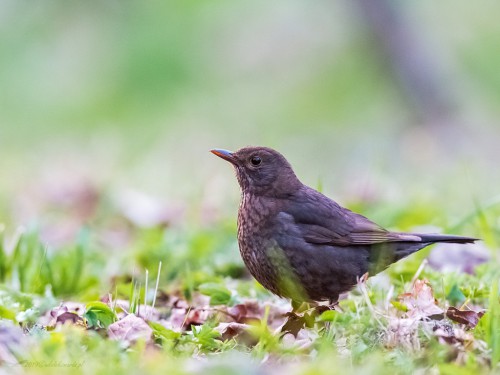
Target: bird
{"type": "Point", "coordinates": [302, 245]}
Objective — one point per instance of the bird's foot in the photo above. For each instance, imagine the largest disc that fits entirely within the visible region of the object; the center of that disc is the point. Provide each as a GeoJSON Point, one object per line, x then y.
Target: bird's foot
{"type": "Point", "coordinates": [334, 305]}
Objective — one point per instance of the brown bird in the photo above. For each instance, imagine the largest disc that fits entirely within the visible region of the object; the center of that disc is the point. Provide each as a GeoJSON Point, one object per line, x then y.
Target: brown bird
{"type": "Point", "coordinates": [300, 244]}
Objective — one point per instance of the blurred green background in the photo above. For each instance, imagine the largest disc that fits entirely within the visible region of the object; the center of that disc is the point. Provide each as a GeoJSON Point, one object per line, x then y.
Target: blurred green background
{"type": "Point", "coordinates": [108, 111]}
{"type": "Point", "coordinates": [113, 106]}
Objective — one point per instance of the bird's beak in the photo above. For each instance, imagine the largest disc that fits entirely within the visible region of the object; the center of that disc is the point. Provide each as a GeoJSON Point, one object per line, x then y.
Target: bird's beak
{"type": "Point", "coordinates": [224, 154]}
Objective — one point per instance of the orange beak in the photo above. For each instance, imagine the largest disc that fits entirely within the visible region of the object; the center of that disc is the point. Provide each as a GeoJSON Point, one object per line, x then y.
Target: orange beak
{"type": "Point", "coordinates": [224, 154]}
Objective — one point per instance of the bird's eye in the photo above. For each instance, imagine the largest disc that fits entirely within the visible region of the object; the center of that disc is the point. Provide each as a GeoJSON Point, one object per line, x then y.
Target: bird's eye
{"type": "Point", "coordinates": [255, 160]}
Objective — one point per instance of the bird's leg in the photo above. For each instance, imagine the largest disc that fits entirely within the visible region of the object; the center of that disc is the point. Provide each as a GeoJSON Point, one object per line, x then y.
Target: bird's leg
{"type": "Point", "coordinates": [334, 304]}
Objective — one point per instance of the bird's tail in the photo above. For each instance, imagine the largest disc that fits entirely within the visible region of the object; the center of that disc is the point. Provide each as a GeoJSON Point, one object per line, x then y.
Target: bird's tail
{"type": "Point", "coordinates": [382, 255]}
{"type": "Point", "coordinates": [432, 238]}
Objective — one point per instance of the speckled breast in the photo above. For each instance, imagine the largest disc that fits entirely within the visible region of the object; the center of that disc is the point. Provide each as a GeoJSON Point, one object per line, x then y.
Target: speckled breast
{"type": "Point", "coordinates": [254, 241]}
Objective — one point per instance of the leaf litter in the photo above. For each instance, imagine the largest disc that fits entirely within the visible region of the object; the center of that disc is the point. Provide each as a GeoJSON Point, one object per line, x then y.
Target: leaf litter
{"type": "Point", "coordinates": [215, 316]}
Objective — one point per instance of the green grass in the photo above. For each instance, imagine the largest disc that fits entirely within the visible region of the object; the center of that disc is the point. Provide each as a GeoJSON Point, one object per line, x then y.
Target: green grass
{"type": "Point", "coordinates": [357, 339]}
{"type": "Point", "coordinates": [210, 316]}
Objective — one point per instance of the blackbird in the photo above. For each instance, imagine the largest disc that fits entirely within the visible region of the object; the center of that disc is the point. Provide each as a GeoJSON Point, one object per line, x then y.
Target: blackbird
{"type": "Point", "coordinates": [302, 245]}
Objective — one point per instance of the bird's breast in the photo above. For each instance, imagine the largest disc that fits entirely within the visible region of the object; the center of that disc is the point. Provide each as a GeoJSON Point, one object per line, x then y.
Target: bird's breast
{"type": "Point", "coordinates": [254, 217]}
{"type": "Point", "coordinates": [254, 238]}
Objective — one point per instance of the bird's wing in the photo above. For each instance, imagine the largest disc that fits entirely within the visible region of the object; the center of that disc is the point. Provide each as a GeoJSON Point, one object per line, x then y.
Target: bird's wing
{"type": "Point", "coordinates": [322, 221]}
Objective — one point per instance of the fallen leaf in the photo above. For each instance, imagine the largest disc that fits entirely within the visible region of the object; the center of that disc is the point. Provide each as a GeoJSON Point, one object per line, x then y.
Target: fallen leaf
{"type": "Point", "coordinates": [448, 334]}
{"type": "Point", "coordinates": [66, 312]}
{"type": "Point", "coordinates": [237, 331]}
{"type": "Point", "coordinates": [248, 312]}
{"type": "Point", "coordinates": [293, 324]}
{"type": "Point", "coordinates": [185, 318]}
{"type": "Point", "coordinates": [296, 321]}
{"type": "Point", "coordinates": [420, 302]}
{"type": "Point", "coordinates": [70, 317]}
{"type": "Point", "coordinates": [468, 317]}
{"type": "Point", "coordinates": [130, 329]}
{"type": "Point", "coordinates": [252, 311]}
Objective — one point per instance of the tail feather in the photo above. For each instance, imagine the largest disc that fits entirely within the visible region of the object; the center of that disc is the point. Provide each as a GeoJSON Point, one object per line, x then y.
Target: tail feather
{"type": "Point", "coordinates": [384, 254]}
{"type": "Point", "coordinates": [432, 238]}
{"type": "Point", "coordinates": [403, 249]}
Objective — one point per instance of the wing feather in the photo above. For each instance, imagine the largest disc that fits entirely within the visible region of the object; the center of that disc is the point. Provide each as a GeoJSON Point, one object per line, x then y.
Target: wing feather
{"type": "Point", "coordinates": [323, 221]}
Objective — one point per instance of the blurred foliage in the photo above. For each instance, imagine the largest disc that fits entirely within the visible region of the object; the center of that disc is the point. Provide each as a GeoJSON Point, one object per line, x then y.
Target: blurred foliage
{"type": "Point", "coordinates": [101, 98]}
{"type": "Point", "coordinates": [251, 66]}
{"type": "Point", "coordinates": [32, 267]}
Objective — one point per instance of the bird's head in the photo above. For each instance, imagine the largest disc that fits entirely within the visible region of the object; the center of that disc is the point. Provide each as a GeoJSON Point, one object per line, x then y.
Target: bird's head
{"type": "Point", "coordinates": [261, 171]}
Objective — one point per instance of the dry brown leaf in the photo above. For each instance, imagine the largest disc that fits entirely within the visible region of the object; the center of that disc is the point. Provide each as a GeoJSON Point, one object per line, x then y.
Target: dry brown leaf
{"type": "Point", "coordinates": [237, 331]}
{"type": "Point", "coordinates": [467, 317]}
{"type": "Point", "coordinates": [293, 324]}
{"type": "Point", "coordinates": [183, 319]}
{"type": "Point", "coordinates": [448, 334]}
{"type": "Point", "coordinates": [66, 312]}
{"type": "Point", "coordinates": [420, 302]}
{"type": "Point", "coordinates": [248, 312]}
{"type": "Point", "coordinates": [130, 329]}
{"type": "Point", "coordinates": [252, 311]}
{"type": "Point", "coordinates": [69, 317]}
